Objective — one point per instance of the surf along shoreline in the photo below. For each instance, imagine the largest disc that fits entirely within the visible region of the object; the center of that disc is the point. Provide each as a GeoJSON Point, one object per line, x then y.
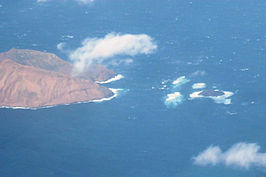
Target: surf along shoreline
{"type": "Point", "coordinates": [113, 90]}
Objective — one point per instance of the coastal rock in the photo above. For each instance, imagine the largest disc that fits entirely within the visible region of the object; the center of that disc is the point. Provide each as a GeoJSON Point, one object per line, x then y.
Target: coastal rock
{"type": "Point", "coordinates": [218, 96]}
{"type": "Point", "coordinates": [214, 93]}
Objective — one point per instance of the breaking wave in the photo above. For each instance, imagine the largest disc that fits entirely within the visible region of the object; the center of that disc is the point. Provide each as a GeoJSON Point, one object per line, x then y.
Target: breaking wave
{"type": "Point", "coordinates": [116, 93]}
{"type": "Point", "coordinates": [198, 85]}
{"type": "Point", "coordinates": [116, 78]}
{"type": "Point", "coordinates": [180, 81]}
{"type": "Point", "coordinates": [173, 99]}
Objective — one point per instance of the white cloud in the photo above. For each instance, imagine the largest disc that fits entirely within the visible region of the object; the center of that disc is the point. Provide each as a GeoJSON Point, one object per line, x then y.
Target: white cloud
{"type": "Point", "coordinates": [210, 156]}
{"type": "Point", "coordinates": [42, 0]}
{"type": "Point", "coordinates": [96, 50]}
{"type": "Point", "coordinates": [240, 154]}
{"type": "Point", "coordinates": [245, 155]}
{"type": "Point", "coordinates": [125, 61]}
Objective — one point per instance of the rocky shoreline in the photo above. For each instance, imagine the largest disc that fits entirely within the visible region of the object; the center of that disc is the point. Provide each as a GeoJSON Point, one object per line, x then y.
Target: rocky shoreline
{"type": "Point", "coordinates": [32, 79]}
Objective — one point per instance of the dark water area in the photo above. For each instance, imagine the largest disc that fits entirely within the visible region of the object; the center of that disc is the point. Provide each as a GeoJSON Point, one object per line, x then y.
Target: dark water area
{"type": "Point", "coordinates": [135, 134]}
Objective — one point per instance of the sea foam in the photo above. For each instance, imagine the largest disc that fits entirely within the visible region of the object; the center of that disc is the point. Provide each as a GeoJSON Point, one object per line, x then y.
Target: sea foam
{"type": "Point", "coordinates": [173, 99]}
{"type": "Point", "coordinates": [116, 78]}
{"type": "Point", "coordinates": [115, 94]}
{"type": "Point", "coordinates": [180, 81]}
{"type": "Point", "coordinates": [198, 85]}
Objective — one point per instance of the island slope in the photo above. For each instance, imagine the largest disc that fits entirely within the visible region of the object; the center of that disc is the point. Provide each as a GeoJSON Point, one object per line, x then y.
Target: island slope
{"type": "Point", "coordinates": [51, 62]}
{"type": "Point", "coordinates": [36, 79]}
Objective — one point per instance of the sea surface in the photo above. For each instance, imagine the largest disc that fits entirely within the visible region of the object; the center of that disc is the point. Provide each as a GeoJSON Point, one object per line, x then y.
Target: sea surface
{"type": "Point", "coordinates": [136, 134]}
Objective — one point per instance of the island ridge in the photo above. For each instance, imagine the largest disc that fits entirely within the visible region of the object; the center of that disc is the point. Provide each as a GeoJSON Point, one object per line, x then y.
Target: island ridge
{"type": "Point", "coordinates": [33, 79]}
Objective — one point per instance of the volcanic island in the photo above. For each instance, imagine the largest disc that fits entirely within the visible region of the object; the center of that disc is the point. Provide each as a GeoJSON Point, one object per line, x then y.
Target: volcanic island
{"type": "Point", "coordinates": [34, 79]}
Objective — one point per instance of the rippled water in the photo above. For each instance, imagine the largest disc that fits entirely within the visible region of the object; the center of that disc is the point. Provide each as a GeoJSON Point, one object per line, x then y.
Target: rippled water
{"type": "Point", "coordinates": [136, 135]}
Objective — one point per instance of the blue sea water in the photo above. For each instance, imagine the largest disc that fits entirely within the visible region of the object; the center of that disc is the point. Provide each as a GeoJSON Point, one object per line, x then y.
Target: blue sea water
{"type": "Point", "coordinates": [136, 134]}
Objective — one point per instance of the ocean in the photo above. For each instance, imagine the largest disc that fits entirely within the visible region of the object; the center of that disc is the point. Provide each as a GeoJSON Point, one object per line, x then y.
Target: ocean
{"type": "Point", "coordinates": [137, 133]}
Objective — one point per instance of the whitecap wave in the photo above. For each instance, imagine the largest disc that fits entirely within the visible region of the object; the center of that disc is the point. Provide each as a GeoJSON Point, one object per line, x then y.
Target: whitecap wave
{"type": "Point", "coordinates": [69, 36]}
{"type": "Point", "coordinates": [116, 78]}
{"type": "Point", "coordinates": [180, 81]}
{"type": "Point", "coordinates": [244, 69]}
{"type": "Point", "coordinates": [173, 99]}
{"type": "Point", "coordinates": [198, 85]}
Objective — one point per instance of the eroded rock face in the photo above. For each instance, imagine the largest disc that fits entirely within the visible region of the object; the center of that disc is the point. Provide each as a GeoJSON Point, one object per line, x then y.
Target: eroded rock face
{"type": "Point", "coordinates": [36, 79]}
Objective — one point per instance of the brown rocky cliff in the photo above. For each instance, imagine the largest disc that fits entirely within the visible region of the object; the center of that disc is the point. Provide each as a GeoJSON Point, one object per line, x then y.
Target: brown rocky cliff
{"type": "Point", "coordinates": [26, 86]}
